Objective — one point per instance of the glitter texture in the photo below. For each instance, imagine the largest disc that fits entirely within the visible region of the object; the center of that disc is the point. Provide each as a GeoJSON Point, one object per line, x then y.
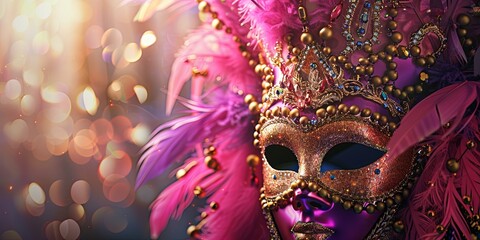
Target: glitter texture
{"type": "Point", "coordinates": [310, 148]}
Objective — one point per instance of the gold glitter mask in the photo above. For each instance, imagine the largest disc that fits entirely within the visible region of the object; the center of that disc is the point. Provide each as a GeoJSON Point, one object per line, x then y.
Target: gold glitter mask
{"type": "Point", "coordinates": [363, 181]}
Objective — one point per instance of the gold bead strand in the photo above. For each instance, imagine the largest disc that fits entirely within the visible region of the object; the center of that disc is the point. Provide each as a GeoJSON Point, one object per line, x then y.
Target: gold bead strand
{"type": "Point", "coordinates": [205, 8]}
{"type": "Point", "coordinates": [306, 38]}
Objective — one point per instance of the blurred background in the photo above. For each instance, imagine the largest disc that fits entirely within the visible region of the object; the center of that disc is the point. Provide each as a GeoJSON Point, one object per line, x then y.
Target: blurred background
{"type": "Point", "coordinates": [82, 85]}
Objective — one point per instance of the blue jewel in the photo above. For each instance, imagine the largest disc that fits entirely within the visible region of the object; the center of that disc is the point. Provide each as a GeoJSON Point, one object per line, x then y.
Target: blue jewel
{"type": "Point", "coordinates": [332, 177]}
{"type": "Point", "coordinates": [274, 177]}
{"type": "Point", "coordinates": [340, 86]}
{"type": "Point", "coordinates": [384, 96]}
{"type": "Point", "coordinates": [359, 43]}
{"type": "Point", "coordinates": [313, 65]}
{"type": "Point", "coordinates": [399, 109]}
{"type": "Point", "coordinates": [356, 88]}
{"type": "Point", "coordinates": [367, 5]}
{"type": "Point", "coordinates": [385, 105]}
{"type": "Point", "coordinates": [361, 31]}
{"type": "Point", "coordinates": [313, 121]}
{"type": "Point", "coordinates": [377, 171]}
{"type": "Point", "coordinates": [364, 17]}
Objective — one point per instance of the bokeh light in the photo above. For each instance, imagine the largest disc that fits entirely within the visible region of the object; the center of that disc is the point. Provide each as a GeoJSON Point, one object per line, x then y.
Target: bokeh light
{"type": "Point", "coordinates": [59, 193]}
{"type": "Point", "coordinates": [69, 229]}
{"type": "Point", "coordinates": [148, 39]}
{"type": "Point", "coordinates": [80, 192]}
{"type": "Point", "coordinates": [82, 85]}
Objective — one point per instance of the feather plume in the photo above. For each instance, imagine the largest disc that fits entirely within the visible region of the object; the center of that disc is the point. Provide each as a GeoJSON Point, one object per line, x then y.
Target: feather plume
{"type": "Point", "coordinates": [172, 201]}
{"type": "Point", "coordinates": [236, 193]}
{"type": "Point", "coordinates": [214, 58]}
{"type": "Point", "coordinates": [225, 123]}
{"type": "Point", "coordinates": [149, 7]}
{"type": "Point", "coordinates": [454, 8]}
{"type": "Point", "coordinates": [446, 105]}
{"type": "Point", "coordinates": [175, 139]}
{"type": "Point", "coordinates": [437, 189]}
{"type": "Point", "coordinates": [272, 20]}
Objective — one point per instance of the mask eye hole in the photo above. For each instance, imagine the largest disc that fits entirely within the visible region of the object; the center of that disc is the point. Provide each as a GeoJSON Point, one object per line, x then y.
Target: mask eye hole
{"type": "Point", "coordinates": [281, 157]}
{"type": "Point", "coordinates": [349, 156]}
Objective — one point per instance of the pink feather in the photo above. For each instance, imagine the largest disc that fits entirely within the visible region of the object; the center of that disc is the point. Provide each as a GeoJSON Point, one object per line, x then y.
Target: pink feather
{"type": "Point", "coordinates": [172, 201]}
{"type": "Point", "coordinates": [238, 199]}
{"type": "Point", "coordinates": [272, 20]}
{"type": "Point", "coordinates": [438, 189]}
{"type": "Point", "coordinates": [215, 53]}
{"type": "Point", "coordinates": [446, 105]}
{"type": "Point", "coordinates": [230, 187]}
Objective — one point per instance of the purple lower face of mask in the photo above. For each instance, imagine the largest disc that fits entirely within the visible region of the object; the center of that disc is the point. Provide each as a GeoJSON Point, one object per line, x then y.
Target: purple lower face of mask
{"type": "Point", "coordinates": [309, 216]}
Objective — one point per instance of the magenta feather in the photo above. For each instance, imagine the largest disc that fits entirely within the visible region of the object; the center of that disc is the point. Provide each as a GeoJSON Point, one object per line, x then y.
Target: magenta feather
{"type": "Point", "coordinates": [272, 20]}
{"type": "Point", "coordinates": [237, 199]}
{"type": "Point", "coordinates": [174, 139]}
{"type": "Point", "coordinates": [446, 105]}
{"type": "Point", "coordinates": [172, 201]}
{"type": "Point", "coordinates": [455, 52]}
{"type": "Point", "coordinates": [438, 189]}
{"type": "Point", "coordinates": [230, 186]}
{"type": "Point", "coordinates": [215, 53]}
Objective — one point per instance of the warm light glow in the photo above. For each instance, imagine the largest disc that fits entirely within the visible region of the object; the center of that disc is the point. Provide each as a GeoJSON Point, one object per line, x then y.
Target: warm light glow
{"type": "Point", "coordinates": [29, 105]}
{"type": "Point", "coordinates": [17, 131]}
{"type": "Point", "coordinates": [112, 38]}
{"type": "Point", "coordinates": [20, 23]}
{"type": "Point", "coordinates": [90, 101]}
{"type": "Point", "coordinates": [132, 52]}
{"type": "Point", "coordinates": [36, 193]}
{"type": "Point", "coordinates": [69, 229]}
{"type": "Point", "coordinates": [140, 134]}
{"type": "Point", "coordinates": [80, 192]}
{"type": "Point", "coordinates": [13, 89]}
{"type": "Point", "coordinates": [141, 93]}
{"type": "Point", "coordinates": [148, 39]}
{"type": "Point", "coordinates": [43, 10]}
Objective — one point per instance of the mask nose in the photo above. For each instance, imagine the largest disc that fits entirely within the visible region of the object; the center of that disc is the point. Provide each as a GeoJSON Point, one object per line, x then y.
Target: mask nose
{"type": "Point", "coordinates": [308, 202]}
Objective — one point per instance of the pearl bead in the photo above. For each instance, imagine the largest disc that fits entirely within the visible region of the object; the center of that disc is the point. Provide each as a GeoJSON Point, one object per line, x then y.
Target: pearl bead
{"type": "Point", "coordinates": [463, 19]}
{"type": "Point", "coordinates": [392, 25]}
{"type": "Point", "coordinates": [398, 226]}
{"type": "Point", "coordinates": [253, 160]}
{"type": "Point", "coordinates": [415, 51]}
{"type": "Point", "coordinates": [397, 37]}
{"type": "Point", "coordinates": [306, 38]}
{"type": "Point", "coordinates": [325, 33]}
{"type": "Point", "coordinates": [217, 23]}
{"type": "Point", "coordinates": [331, 110]}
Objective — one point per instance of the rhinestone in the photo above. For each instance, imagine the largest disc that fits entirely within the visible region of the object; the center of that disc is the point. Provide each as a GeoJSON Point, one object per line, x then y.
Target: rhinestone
{"type": "Point", "coordinates": [384, 96]}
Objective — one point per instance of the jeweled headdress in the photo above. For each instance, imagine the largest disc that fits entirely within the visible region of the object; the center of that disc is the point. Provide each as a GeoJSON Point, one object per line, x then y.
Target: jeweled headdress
{"type": "Point", "coordinates": [396, 76]}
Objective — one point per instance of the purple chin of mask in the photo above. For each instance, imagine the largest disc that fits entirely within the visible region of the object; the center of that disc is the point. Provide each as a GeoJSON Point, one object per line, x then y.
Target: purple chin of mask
{"type": "Point", "coordinates": [309, 216]}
